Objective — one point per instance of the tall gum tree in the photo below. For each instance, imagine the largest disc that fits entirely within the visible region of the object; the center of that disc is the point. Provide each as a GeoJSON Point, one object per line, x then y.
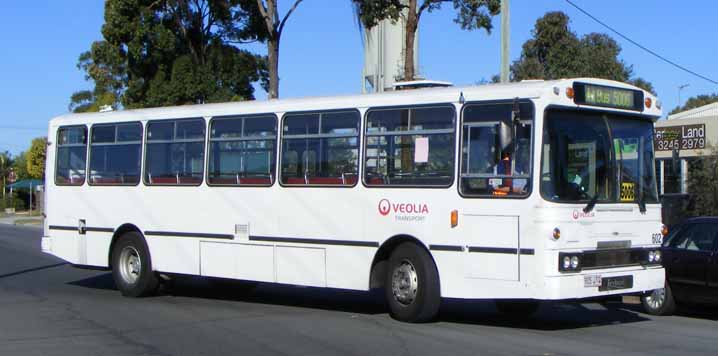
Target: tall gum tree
{"type": "Point", "coordinates": [470, 15]}
{"type": "Point", "coordinates": [274, 27]}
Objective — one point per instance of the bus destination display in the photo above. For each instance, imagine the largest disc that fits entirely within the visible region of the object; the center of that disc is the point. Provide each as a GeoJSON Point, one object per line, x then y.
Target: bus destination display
{"type": "Point", "coordinates": [598, 95]}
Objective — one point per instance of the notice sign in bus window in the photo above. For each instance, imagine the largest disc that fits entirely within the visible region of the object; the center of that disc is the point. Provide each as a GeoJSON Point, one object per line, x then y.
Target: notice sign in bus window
{"type": "Point", "coordinates": [599, 95]}
{"type": "Point", "coordinates": [684, 137]}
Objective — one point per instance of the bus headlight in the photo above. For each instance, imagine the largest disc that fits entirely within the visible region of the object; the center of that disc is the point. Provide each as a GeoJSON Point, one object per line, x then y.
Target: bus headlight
{"type": "Point", "coordinates": [574, 262]}
{"type": "Point", "coordinates": [654, 257]}
{"type": "Point", "coordinates": [570, 261]}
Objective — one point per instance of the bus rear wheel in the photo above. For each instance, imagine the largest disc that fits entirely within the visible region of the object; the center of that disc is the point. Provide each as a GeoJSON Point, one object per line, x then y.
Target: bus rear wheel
{"type": "Point", "coordinates": [412, 285]}
{"type": "Point", "coordinates": [132, 267]}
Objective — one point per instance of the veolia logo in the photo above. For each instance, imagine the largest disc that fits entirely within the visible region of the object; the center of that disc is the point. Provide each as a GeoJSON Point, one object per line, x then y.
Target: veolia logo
{"type": "Point", "coordinates": [580, 214]}
{"type": "Point", "coordinates": [384, 207]}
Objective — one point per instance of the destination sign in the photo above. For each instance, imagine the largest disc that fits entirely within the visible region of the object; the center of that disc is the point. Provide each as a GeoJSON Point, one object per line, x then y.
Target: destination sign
{"type": "Point", "coordinates": [683, 137]}
{"type": "Point", "coordinates": [599, 95]}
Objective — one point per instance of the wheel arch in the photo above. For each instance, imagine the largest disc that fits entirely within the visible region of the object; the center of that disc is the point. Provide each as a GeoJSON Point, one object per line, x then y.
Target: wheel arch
{"type": "Point", "coordinates": [381, 257]}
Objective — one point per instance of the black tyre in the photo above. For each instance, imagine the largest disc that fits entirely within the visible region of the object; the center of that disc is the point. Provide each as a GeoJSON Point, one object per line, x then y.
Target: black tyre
{"type": "Point", "coordinates": [412, 284]}
{"type": "Point", "coordinates": [659, 301]}
{"type": "Point", "coordinates": [132, 267]}
{"type": "Point", "coordinates": [517, 308]}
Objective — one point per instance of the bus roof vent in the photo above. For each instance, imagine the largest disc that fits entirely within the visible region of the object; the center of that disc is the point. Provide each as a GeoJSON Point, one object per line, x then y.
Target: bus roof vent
{"type": "Point", "coordinates": [420, 84]}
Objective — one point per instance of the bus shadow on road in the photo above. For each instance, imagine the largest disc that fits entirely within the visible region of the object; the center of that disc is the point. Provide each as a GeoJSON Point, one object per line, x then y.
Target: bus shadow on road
{"type": "Point", "coordinates": [550, 316]}
{"type": "Point", "coordinates": [706, 312]}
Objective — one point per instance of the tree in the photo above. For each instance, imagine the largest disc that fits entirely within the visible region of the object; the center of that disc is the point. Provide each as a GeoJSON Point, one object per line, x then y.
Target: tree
{"type": "Point", "coordinates": [471, 15]}
{"type": "Point", "coordinates": [556, 52]}
{"type": "Point", "coordinates": [274, 28]}
{"type": "Point", "coordinates": [20, 166]}
{"type": "Point", "coordinates": [696, 101]}
{"type": "Point", "coordinates": [5, 163]}
{"type": "Point", "coordinates": [702, 184]}
{"type": "Point", "coordinates": [35, 157]}
{"type": "Point", "coordinates": [172, 52]}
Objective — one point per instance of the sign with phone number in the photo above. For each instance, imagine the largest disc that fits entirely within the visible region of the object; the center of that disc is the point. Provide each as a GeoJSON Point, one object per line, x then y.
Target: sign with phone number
{"type": "Point", "coordinates": [684, 137]}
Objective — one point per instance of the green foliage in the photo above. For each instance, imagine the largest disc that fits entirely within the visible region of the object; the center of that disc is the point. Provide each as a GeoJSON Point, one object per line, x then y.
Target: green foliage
{"type": "Point", "coordinates": [6, 161]}
{"type": "Point", "coordinates": [370, 12]}
{"type": "Point", "coordinates": [697, 101]}
{"type": "Point", "coordinates": [702, 184]}
{"type": "Point", "coordinates": [556, 52]}
{"type": "Point", "coordinates": [172, 52]}
{"type": "Point", "coordinates": [35, 157]}
{"type": "Point", "coordinates": [20, 166]}
{"type": "Point", "coordinates": [470, 14]}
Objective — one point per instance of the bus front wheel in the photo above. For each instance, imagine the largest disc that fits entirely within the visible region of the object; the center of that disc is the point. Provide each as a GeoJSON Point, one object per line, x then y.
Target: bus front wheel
{"type": "Point", "coordinates": [412, 285]}
{"type": "Point", "coordinates": [132, 268]}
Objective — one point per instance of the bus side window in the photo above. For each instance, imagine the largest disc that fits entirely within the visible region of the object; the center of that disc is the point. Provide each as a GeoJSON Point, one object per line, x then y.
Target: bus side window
{"type": "Point", "coordinates": [242, 151]}
{"type": "Point", "coordinates": [410, 146]}
{"type": "Point", "coordinates": [174, 153]}
{"type": "Point", "coordinates": [486, 168]}
{"type": "Point", "coordinates": [115, 154]}
{"type": "Point", "coordinates": [320, 148]}
{"type": "Point", "coordinates": [71, 155]}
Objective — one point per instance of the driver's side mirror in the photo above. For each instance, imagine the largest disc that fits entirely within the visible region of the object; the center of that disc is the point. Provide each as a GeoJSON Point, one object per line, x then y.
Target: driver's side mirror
{"type": "Point", "coordinates": [506, 136]}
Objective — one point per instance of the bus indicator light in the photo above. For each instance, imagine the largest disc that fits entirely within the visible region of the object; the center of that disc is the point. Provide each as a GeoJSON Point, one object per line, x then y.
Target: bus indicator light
{"type": "Point", "coordinates": [569, 92]}
{"type": "Point", "coordinates": [649, 102]}
{"type": "Point", "coordinates": [454, 218]}
{"type": "Point", "coordinates": [556, 233]}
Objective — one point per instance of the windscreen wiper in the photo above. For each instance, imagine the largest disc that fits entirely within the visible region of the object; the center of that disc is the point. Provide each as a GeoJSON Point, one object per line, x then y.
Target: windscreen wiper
{"type": "Point", "coordinates": [641, 202]}
{"type": "Point", "coordinates": [590, 204]}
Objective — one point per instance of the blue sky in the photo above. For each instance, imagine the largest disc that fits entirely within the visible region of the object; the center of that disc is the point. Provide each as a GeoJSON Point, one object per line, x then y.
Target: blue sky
{"type": "Point", "coordinates": [321, 52]}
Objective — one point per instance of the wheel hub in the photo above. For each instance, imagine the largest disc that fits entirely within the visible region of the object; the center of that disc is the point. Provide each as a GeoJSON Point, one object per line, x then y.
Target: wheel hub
{"type": "Point", "coordinates": [130, 265]}
{"type": "Point", "coordinates": [404, 283]}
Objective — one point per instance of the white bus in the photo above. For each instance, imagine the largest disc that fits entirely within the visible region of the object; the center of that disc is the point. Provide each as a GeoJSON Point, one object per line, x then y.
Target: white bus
{"type": "Point", "coordinates": [521, 192]}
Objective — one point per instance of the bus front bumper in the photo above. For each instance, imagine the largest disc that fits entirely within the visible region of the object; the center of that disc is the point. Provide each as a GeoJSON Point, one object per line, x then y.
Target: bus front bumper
{"type": "Point", "coordinates": [604, 282]}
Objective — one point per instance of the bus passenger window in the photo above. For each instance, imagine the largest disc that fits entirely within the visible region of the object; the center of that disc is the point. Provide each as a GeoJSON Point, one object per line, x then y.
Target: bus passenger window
{"type": "Point", "coordinates": [115, 154]}
{"type": "Point", "coordinates": [174, 153]}
{"type": "Point", "coordinates": [71, 155]}
{"type": "Point", "coordinates": [487, 169]}
{"type": "Point", "coordinates": [320, 148]}
{"type": "Point", "coordinates": [242, 151]}
{"type": "Point", "coordinates": [410, 147]}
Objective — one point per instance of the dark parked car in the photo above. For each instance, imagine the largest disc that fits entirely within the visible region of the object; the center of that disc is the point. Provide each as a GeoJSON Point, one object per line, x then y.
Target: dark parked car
{"type": "Point", "coordinates": [690, 257]}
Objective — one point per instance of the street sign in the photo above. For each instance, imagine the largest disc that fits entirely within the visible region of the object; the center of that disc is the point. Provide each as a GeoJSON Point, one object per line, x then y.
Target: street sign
{"type": "Point", "coordinates": [683, 137]}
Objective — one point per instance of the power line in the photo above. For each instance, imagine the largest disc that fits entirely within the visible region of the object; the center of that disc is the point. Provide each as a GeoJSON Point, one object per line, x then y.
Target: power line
{"type": "Point", "coordinates": [23, 128]}
{"type": "Point", "coordinates": [641, 46]}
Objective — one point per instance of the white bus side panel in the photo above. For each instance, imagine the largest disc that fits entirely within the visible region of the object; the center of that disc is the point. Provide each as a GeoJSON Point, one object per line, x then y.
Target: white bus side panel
{"type": "Point", "coordinates": [239, 261]}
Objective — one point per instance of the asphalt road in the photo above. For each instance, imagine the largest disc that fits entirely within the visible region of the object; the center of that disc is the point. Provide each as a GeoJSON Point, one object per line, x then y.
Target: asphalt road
{"type": "Point", "coordinates": [48, 307]}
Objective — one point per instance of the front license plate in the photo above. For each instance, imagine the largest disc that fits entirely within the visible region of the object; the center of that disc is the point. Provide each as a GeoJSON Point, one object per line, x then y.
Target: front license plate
{"type": "Point", "coordinates": [614, 283]}
{"type": "Point", "coordinates": [592, 280]}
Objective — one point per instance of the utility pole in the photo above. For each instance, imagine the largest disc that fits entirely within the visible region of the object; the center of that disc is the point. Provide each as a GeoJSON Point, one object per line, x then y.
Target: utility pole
{"type": "Point", "coordinates": [681, 87]}
{"type": "Point", "coordinates": [505, 40]}
{"type": "Point", "coordinates": [2, 171]}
